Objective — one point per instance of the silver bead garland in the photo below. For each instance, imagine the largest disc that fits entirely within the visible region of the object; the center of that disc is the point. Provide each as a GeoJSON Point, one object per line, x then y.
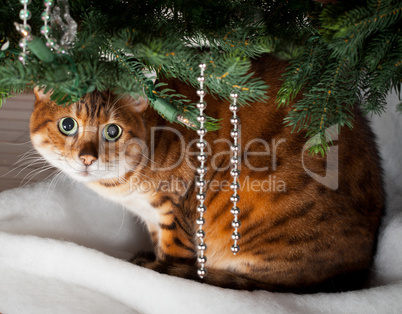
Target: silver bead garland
{"type": "Point", "coordinates": [235, 172]}
{"type": "Point", "coordinates": [24, 29]}
{"type": "Point", "coordinates": [201, 170]}
{"type": "Point", "coordinates": [45, 29]}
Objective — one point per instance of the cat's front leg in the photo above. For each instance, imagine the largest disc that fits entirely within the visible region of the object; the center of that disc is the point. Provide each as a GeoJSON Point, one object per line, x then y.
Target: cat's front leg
{"type": "Point", "coordinates": [165, 262]}
{"type": "Point", "coordinates": [173, 242]}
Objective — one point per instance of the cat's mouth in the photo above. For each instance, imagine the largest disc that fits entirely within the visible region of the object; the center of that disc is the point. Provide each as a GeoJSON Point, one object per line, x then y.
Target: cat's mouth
{"type": "Point", "coordinates": [85, 174]}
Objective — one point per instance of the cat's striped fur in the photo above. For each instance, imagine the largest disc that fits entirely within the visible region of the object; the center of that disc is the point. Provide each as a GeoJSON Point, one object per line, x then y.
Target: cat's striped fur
{"type": "Point", "coordinates": [297, 234]}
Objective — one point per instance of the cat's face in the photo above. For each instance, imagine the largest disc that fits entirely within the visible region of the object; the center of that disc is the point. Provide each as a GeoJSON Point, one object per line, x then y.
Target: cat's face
{"type": "Point", "coordinates": [99, 138]}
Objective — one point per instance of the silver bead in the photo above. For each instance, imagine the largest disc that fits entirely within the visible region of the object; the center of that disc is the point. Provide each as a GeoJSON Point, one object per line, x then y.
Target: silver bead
{"type": "Point", "coordinates": [45, 16]}
{"type": "Point", "coordinates": [234, 95]}
{"type": "Point", "coordinates": [202, 246]}
{"type": "Point", "coordinates": [201, 196]}
{"type": "Point", "coordinates": [202, 105]}
{"type": "Point", "coordinates": [22, 57]}
{"type": "Point", "coordinates": [201, 183]}
{"type": "Point", "coordinates": [235, 120]}
{"type": "Point", "coordinates": [201, 144]}
{"type": "Point", "coordinates": [23, 43]}
{"type": "Point", "coordinates": [201, 79]}
{"type": "Point", "coordinates": [201, 118]}
{"type": "Point", "coordinates": [202, 272]}
{"type": "Point", "coordinates": [235, 198]}
{"type": "Point", "coordinates": [233, 107]}
{"type": "Point", "coordinates": [23, 30]}
{"type": "Point", "coordinates": [200, 233]}
{"type": "Point", "coordinates": [202, 259]}
{"type": "Point", "coordinates": [200, 221]}
{"type": "Point", "coordinates": [235, 248]}
{"type": "Point", "coordinates": [235, 160]}
{"type": "Point", "coordinates": [236, 223]}
{"type": "Point", "coordinates": [235, 148]}
{"type": "Point", "coordinates": [234, 133]}
{"type": "Point", "coordinates": [235, 211]}
{"type": "Point", "coordinates": [25, 14]}
{"type": "Point", "coordinates": [202, 157]}
{"type": "Point", "coordinates": [200, 92]}
{"type": "Point", "coordinates": [234, 185]}
{"type": "Point", "coordinates": [236, 235]}
{"type": "Point", "coordinates": [201, 208]}
{"type": "Point", "coordinates": [202, 66]}
{"type": "Point", "coordinates": [48, 3]}
{"type": "Point", "coordinates": [235, 173]}
{"type": "Point", "coordinates": [45, 29]}
{"type": "Point", "coordinates": [202, 132]}
{"type": "Point", "coordinates": [202, 170]}
{"type": "Point", "coordinates": [51, 43]}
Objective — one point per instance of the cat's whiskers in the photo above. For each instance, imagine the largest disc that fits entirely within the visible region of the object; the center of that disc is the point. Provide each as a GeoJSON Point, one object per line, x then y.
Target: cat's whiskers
{"type": "Point", "coordinates": [32, 174]}
{"type": "Point", "coordinates": [111, 110]}
{"type": "Point", "coordinates": [28, 159]}
{"type": "Point", "coordinates": [149, 159]}
{"type": "Point", "coordinates": [133, 168]}
{"type": "Point", "coordinates": [30, 152]}
{"type": "Point", "coordinates": [16, 144]}
{"type": "Point", "coordinates": [30, 164]}
{"type": "Point", "coordinates": [58, 175]}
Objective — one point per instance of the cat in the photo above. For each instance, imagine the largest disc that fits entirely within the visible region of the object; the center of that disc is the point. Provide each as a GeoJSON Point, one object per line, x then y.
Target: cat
{"type": "Point", "coordinates": [308, 224]}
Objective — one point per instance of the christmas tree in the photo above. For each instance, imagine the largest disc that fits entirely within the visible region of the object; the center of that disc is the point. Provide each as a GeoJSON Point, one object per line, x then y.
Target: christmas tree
{"type": "Point", "coordinates": [340, 52]}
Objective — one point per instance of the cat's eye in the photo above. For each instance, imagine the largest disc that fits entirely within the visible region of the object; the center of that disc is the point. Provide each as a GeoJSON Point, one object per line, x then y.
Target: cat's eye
{"type": "Point", "coordinates": [112, 132]}
{"type": "Point", "coordinates": [68, 126]}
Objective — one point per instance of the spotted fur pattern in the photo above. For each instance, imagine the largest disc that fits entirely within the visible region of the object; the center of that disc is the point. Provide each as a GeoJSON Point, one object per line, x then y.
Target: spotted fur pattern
{"type": "Point", "coordinates": [299, 232]}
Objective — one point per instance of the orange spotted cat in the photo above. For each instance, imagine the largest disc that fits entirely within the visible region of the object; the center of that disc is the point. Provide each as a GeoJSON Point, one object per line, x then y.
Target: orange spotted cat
{"type": "Point", "coordinates": [307, 223]}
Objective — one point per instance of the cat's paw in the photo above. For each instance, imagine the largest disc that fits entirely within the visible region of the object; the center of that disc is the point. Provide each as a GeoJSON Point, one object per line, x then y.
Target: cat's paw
{"type": "Point", "coordinates": [143, 258]}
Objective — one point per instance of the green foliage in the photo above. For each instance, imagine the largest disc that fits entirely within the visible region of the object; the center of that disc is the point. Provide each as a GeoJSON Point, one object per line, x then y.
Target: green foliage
{"type": "Point", "coordinates": [341, 54]}
{"type": "Point", "coordinates": [3, 95]}
{"type": "Point", "coordinates": [355, 57]}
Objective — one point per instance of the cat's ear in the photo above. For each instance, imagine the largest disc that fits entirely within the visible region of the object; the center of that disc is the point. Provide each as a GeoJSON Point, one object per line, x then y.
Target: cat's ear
{"type": "Point", "coordinates": [40, 93]}
{"type": "Point", "coordinates": [139, 103]}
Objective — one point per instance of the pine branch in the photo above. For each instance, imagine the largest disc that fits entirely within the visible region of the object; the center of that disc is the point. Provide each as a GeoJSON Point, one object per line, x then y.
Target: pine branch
{"type": "Point", "coordinates": [342, 53]}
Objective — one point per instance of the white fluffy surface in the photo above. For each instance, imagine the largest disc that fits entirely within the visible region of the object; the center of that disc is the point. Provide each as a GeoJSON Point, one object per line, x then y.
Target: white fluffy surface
{"type": "Point", "coordinates": [61, 251]}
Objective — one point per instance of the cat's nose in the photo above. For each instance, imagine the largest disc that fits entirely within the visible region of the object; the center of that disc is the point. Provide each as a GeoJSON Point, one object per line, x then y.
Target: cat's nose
{"type": "Point", "coordinates": [88, 160]}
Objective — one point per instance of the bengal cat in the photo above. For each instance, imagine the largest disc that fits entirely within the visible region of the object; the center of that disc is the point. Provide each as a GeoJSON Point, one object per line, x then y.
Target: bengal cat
{"type": "Point", "coordinates": [308, 223]}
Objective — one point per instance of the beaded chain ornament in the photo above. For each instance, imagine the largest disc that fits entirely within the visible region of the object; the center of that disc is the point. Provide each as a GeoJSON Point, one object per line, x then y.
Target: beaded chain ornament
{"type": "Point", "coordinates": [202, 157]}
{"type": "Point", "coordinates": [24, 29]}
{"type": "Point", "coordinates": [201, 183]}
{"type": "Point", "coordinates": [45, 29]}
{"type": "Point", "coordinates": [65, 23]}
{"type": "Point", "coordinates": [235, 172]}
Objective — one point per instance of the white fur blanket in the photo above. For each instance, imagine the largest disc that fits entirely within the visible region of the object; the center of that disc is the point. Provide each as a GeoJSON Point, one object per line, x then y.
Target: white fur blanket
{"type": "Point", "coordinates": [62, 250]}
